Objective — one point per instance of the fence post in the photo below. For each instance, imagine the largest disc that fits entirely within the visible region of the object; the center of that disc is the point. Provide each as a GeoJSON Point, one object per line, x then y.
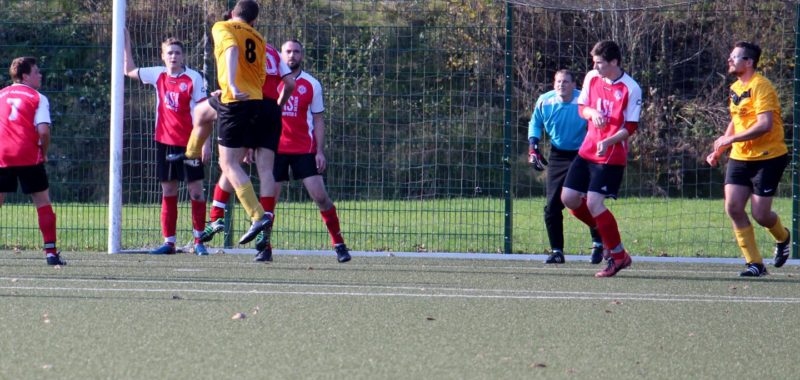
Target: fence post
{"type": "Point", "coordinates": [796, 137]}
{"type": "Point", "coordinates": [508, 134]}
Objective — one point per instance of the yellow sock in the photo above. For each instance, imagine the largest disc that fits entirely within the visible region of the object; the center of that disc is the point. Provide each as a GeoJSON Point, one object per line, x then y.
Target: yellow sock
{"type": "Point", "coordinates": [247, 197]}
{"type": "Point", "coordinates": [746, 237]}
{"type": "Point", "coordinates": [194, 149]}
{"type": "Point", "coordinates": [779, 232]}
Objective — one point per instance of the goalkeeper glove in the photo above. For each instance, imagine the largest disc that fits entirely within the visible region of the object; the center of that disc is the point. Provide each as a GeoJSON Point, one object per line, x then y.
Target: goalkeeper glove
{"type": "Point", "coordinates": [535, 158]}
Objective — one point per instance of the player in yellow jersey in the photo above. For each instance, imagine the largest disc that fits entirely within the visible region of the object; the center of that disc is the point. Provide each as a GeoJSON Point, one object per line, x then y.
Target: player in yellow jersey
{"type": "Point", "coordinates": [757, 160]}
{"type": "Point", "coordinates": [239, 51]}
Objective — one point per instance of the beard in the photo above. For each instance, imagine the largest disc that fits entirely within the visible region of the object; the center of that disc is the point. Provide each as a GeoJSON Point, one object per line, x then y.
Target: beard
{"type": "Point", "coordinates": [294, 66]}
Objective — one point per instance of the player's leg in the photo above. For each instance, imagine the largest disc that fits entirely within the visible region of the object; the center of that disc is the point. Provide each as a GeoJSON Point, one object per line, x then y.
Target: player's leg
{"type": "Point", "coordinates": [34, 182]}
{"type": "Point", "coordinates": [222, 193]}
{"type": "Point", "coordinates": [238, 123]}
{"type": "Point", "coordinates": [573, 192]}
{"type": "Point", "coordinates": [604, 183]}
{"type": "Point", "coordinates": [203, 117]}
{"type": "Point", "coordinates": [765, 185]}
{"type": "Point", "coordinates": [169, 217]}
{"type": "Point", "coordinates": [265, 161]}
{"type": "Point", "coordinates": [553, 217]}
{"type": "Point", "coordinates": [194, 177]}
{"type": "Point", "coordinates": [315, 185]}
{"type": "Point", "coordinates": [738, 190]}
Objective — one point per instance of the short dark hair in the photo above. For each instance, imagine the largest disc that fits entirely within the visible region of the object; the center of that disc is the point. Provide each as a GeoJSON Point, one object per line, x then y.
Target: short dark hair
{"type": "Point", "coordinates": [751, 51]}
{"type": "Point", "coordinates": [292, 40]}
{"type": "Point", "coordinates": [21, 66]}
{"type": "Point", "coordinates": [566, 72]}
{"type": "Point", "coordinates": [172, 41]}
{"type": "Point", "coordinates": [247, 10]}
{"type": "Point", "coordinates": [608, 50]}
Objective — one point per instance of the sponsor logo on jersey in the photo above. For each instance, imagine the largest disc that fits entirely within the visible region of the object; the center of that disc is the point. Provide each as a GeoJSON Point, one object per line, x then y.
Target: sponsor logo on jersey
{"type": "Point", "coordinates": [171, 100]}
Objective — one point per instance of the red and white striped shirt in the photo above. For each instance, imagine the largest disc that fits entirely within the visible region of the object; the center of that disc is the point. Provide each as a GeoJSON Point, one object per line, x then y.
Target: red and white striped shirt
{"type": "Point", "coordinates": [22, 108]}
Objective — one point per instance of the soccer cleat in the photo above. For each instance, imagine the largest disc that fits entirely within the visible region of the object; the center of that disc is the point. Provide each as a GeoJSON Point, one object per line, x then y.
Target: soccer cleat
{"type": "Point", "coordinates": [782, 251]}
{"type": "Point", "coordinates": [754, 270]}
{"type": "Point", "coordinates": [200, 250]}
{"type": "Point", "coordinates": [56, 259]}
{"type": "Point", "coordinates": [597, 254]}
{"type": "Point", "coordinates": [342, 253]}
{"type": "Point", "coordinates": [263, 224]}
{"type": "Point", "coordinates": [263, 255]}
{"type": "Point", "coordinates": [172, 157]}
{"type": "Point", "coordinates": [615, 265]}
{"type": "Point", "coordinates": [556, 257]}
{"type": "Point", "coordinates": [166, 249]}
{"type": "Point", "coordinates": [263, 239]}
{"type": "Point", "coordinates": [211, 229]}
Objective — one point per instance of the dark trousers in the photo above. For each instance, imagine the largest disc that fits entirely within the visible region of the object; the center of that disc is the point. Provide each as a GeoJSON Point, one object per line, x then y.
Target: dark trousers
{"type": "Point", "coordinates": [553, 217]}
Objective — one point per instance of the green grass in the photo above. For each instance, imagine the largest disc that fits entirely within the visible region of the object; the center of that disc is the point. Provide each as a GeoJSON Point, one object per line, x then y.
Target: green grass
{"type": "Point", "coordinates": [138, 316]}
{"type": "Point", "coordinates": [649, 226]}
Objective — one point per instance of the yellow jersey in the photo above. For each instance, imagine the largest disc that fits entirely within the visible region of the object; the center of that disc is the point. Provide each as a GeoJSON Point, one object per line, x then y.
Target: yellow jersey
{"type": "Point", "coordinates": [746, 102]}
{"type": "Point", "coordinates": [251, 69]}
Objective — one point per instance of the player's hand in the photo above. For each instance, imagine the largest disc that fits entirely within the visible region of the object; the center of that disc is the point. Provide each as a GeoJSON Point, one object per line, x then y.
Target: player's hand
{"type": "Point", "coordinates": [712, 159]}
{"type": "Point", "coordinates": [536, 159]}
{"type": "Point", "coordinates": [216, 93]}
{"type": "Point", "coordinates": [722, 143]}
{"type": "Point", "coordinates": [602, 146]}
{"type": "Point", "coordinates": [322, 163]}
{"type": "Point", "coordinates": [249, 156]}
{"type": "Point", "coordinates": [598, 119]}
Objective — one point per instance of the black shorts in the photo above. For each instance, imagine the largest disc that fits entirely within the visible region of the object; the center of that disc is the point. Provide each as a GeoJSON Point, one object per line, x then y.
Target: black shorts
{"type": "Point", "coordinates": [585, 176]}
{"type": "Point", "coordinates": [245, 124]}
{"type": "Point", "coordinates": [762, 177]}
{"type": "Point", "coordinates": [175, 170]}
{"type": "Point", "coordinates": [273, 123]}
{"type": "Point", "coordinates": [303, 166]}
{"type": "Point", "coordinates": [32, 179]}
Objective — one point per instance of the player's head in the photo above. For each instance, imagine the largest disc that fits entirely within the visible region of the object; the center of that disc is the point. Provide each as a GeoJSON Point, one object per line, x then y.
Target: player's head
{"type": "Point", "coordinates": [246, 10]}
{"type": "Point", "coordinates": [292, 53]}
{"type": "Point", "coordinates": [172, 52]}
{"type": "Point", "coordinates": [744, 58]}
{"type": "Point", "coordinates": [606, 58]}
{"type": "Point", "coordinates": [24, 70]}
{"type": "Point", "coordinates": [564, 83]}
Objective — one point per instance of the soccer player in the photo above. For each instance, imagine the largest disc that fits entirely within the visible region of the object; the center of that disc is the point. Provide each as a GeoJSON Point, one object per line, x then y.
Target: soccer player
{"type": "Point", "coordinates": [302, 146]}
{"type": "Point", "coordinates": [24, 139]}
{"type": "Point", "coordinates": [611, 101]}
{"type": "Point", "coordinates": [556, 113]}
{"type": "Point", "coordinates": [757, 160]}
{"type": "Point", "coordinates": [178, 89]}
{"type": "Point", "coordinates": [277, 73]}
{"type": "Point", "coordinates": [238, 49]}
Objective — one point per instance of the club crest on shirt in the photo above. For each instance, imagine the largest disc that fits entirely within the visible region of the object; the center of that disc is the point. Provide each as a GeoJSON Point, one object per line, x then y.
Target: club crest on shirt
{"type": "Point", "coordinates": [183, 87]}
{"type": "Point", "coordinates": [302, 89]}
{"type": "Point", "coordinates": [618, 94]}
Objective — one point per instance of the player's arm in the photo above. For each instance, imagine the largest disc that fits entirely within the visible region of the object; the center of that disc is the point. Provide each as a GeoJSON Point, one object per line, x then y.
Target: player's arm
{"type": "Point", "coordinates": [232, 61]}
{"type": "Point", "coordinates": [128, 65]}
{"type": "Point", "coordinates": [616, 138]}
{"type": "Point", "coordinates": [720, 146]}
{"type": "Point", "coordinates": [592, 115]}
{"type": "Point", "coordinates": [43, 129]}
{"type": "Point", "coordinates": [288, 88]}
{"type": "Point", "coordinates": [319, 136]}
{"type": "Point", "coordinates": [535, 127]}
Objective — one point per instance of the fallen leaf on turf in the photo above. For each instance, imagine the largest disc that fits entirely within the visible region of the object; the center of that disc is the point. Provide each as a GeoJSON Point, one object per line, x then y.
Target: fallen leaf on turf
{"type": "Point", "coordinates": [732, 287]}
{"type": "Point", "coordinates": [310, 268]}
{"type": "Point", "coordinates": [176, 297]}
{"type": "Point", "coordinates": [14, 280]}
{"type": "Point", "coordinates": [430, 318]}
{"type": "Point", "coordinates": [255, 310]}
{"type": "Point", "coordinates": [616, 302]}
{"type": "Point", "coordinates": [47, 366]}
{"type": "Point", "coordinates": [789, 275]}
{"type": "Point", "coordinates": [746, 287]}
{"type": "Point", "coordinates": [572, 370]}
{"type": "Point", "coordinates": [691, 334]}
{"type": "Point", "coordinates": [538, 365]}
{"type": "Point", "coordinates": [608, 311]}
{"type": "Point", "coordinates": [239, 316]}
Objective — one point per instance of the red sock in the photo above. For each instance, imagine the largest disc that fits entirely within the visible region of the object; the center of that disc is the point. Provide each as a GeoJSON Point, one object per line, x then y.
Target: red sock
{"type": "Point", "coordinates": [47, 224]}
{"type": "Point", "coordinates": [169, 215]}
{"type": "Point", "coordinates": [332, 222]}
{"type": "Point", "coordinates": [219, 202]}
{"type": "Point", "coordinates": [268, 203]}
{"type": "Point", "coordinates": [607, 227]}
{"type": "Point", "coordinates": [198, 218]}
{"type": "Point", "coordinates": [583, 214]}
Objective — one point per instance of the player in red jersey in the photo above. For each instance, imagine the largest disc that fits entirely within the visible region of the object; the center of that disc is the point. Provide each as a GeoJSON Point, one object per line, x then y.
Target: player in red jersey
{"type": "Point", "coordinates": [302, 145]}
{"type": "Point", "coordinates": [611, 101]}
{"type": "Point", "coordinates": [24, 139]}
{"type": "Point", "coordinates": [178, 89]}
